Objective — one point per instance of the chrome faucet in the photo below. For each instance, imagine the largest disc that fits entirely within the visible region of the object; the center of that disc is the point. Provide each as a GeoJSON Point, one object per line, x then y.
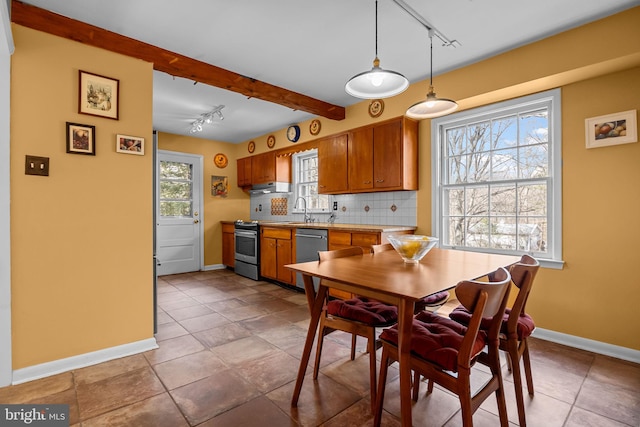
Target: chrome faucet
{"type": "Point", "coordinates": [307, 217]}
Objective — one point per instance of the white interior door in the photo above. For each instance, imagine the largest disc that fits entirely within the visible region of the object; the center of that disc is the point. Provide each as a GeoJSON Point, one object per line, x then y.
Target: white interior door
{"type": "Point", "coordinates": [178, 213]}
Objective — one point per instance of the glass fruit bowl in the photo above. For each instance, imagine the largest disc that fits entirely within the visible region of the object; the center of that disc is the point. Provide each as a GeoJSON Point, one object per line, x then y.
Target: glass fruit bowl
{"type": "Point", "coordinates": [412, 247]}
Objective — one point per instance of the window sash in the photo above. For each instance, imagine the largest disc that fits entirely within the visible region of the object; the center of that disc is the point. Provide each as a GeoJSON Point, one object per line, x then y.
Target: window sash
{"type": "Point", "coordinates": [305, 185]}
{"type": "Point", "coordinates": [502, 226]}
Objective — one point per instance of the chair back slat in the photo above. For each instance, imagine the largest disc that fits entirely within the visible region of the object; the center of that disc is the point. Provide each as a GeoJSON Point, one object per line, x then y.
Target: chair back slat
{"type": "Point", "coordinates": [381, 248]}
{"type": "Point", "coordinates": [340, 253]}
{"type": "Point", "coordinates": [523, 274]}
{"type": "Point", "coordinates": [467, 292]}
{"type": "Point", "coordinates": [482, 299]}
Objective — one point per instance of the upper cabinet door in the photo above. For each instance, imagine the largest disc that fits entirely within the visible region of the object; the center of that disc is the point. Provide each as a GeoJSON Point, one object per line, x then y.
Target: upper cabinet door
{"type": "Point", "coordinates": [387, 155]}
{"type": "Point", "coordinates": [361, 159]}
{"type": "Point", "coordinates": [378, 157]}
{"type": "Point", "coordinates": [333, 177]}
{"type": "Point", "coordinates": [244, 172]}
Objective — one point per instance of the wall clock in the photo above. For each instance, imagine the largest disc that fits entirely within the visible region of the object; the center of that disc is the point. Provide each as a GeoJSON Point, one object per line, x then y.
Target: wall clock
{"type": "Point", "coordinates": [314, 127]}
{"type": "Point", "coordinates": [376, 107]}
{"type": "Point", "coordinates": [293, 133]}
{"type": "Point", "coordinates": [271, 141]}
{"type": "Point", "coordinates": [251, 147]}
{"type": "Point", "coordinates": [220, 160]}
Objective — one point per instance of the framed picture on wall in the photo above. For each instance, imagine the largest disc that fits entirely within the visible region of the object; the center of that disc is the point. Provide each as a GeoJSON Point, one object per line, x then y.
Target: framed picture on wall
{"type": "Point", "coordinates": [612, 129]}
{"type": "Point", "coordinates": [219, 186]}
{"type": "Point", "coordinates": [81, 139]}
{"type": "Point", "coordinates": [130, 144]}
{"type": "Point", "coordinates": [99, 95]}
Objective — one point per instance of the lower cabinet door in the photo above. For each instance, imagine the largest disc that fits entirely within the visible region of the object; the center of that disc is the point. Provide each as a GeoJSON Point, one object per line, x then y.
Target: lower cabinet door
{"type": "Point", "coordinates": [268, 258]}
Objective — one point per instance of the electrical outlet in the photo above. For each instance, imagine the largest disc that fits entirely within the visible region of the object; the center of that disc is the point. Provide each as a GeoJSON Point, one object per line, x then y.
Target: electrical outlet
{"type": "Point", "coordinates": [335, 206]}
{"type": "Point", "coordinates": [34, 165]}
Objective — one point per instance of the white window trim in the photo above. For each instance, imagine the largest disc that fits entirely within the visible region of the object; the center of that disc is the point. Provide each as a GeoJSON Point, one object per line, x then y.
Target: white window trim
{"type": "Point", "coordinates": [552, 97]}
{"type": "Point", "coordinates": [294, 164]}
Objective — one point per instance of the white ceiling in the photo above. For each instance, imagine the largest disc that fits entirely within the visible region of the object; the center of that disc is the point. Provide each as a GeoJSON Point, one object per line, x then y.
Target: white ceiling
{"type": "Point", "coordinates": [314, 47]}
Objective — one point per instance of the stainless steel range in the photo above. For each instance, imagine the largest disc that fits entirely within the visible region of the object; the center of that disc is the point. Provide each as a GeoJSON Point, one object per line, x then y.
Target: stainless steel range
{"type": "Point", "coordinates": [247, 243]}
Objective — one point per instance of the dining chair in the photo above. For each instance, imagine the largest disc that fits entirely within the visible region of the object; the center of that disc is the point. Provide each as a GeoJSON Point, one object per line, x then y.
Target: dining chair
{"type": "Point", "coordinates": [517, 327]}
{"type": "Point", "coordinates": [444, 351]}
{"type": "Point", "coordinates": [359, 316]}
{"type": "Point", "coordinates": [431, 302]}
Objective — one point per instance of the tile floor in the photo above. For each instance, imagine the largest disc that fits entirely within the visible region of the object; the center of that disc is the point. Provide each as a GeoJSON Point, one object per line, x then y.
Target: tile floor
{"type": "Point", "coordinates": [229, 353]}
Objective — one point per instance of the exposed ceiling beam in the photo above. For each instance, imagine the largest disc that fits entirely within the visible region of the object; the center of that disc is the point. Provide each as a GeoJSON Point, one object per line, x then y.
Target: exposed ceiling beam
{"type": "Point", "coordinates": [167, 61]}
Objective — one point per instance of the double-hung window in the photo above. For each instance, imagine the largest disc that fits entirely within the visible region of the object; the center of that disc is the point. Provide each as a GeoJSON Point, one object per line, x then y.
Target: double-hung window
{"type": "Point", "coordinates": [497, 178]}
{"type": "Point", "coordinates": [305, 182]}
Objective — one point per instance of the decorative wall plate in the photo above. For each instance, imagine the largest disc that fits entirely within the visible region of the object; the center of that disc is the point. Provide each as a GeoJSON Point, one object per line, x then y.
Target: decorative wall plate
{"type": "Point", "coordinates": [220, 160]}
{"type": "Point", "coordinates": [271, 141]}
{"type": "Point", "coordinates": [376, 107]}
{"type": "Point", "coordinates": [314, 127]}
{"type": "Point", "coordinates": [251, 147]}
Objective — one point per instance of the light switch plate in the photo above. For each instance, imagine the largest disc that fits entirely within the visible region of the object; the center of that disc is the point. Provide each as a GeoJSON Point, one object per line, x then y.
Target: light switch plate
{"type": "Point", "coordinates": [34, 165]}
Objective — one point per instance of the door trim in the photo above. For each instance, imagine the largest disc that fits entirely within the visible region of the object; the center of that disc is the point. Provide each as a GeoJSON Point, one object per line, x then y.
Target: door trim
{"type": "Point", "coordinates": [6, 49]}
{"type": "Point", "coordinates": [196, 158]}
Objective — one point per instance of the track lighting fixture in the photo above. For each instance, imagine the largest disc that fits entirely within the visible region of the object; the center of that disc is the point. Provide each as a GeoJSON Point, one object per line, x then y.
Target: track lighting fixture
{"type": "Point", "coordinates": [207, 118]}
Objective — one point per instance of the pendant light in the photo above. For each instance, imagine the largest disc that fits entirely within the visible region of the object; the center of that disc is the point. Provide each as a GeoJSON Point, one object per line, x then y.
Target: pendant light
{"type": "Point", "coordinates": [377, 82]}
{"type": "Point", "coordinates": [432, 106]}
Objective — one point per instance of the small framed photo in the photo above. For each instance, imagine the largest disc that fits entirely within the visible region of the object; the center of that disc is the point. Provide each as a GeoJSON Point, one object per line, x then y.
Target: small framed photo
{"type": "Point", "coordinates": [99, 95]}
{"type": "Point", "coordinates": [130, 144]}
{"type": "Point", "coordinates": [612, 129]}
{"type": "Point", "coordinates": [219, 186]}
{"type": "Point", "coordinates": [81, 139]}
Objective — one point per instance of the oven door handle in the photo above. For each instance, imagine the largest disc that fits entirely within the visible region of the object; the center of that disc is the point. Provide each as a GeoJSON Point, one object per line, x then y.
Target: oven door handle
{"type": "Point", "coordinates": [246, 233]}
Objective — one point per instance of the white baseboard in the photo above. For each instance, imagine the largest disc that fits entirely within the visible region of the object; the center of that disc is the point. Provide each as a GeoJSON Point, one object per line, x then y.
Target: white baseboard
{"type": "Point", "coordinates": [214, 267]}
{"type": "Point", "coordinates": [589, 345]}
{"type": "Point", "coordinates": [83, 360]}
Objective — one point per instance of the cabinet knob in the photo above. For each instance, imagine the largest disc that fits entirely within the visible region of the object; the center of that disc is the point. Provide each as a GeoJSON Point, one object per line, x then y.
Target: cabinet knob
{"type": "Point", "coordinates": [367, 182]}
{"type": "Point", "coordinates": [379, 180]}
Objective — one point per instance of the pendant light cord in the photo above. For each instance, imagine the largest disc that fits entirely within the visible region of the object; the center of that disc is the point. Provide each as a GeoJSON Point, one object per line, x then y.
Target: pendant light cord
{"type": "Point", "coordinates": [431, 58]}
{"type": "Point", "coordinates": [376, 28]}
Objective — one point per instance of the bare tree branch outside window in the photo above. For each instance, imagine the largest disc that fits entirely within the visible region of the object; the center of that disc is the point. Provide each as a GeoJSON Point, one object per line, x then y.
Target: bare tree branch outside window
{"type": "Point", "coordinates": [495, 176]}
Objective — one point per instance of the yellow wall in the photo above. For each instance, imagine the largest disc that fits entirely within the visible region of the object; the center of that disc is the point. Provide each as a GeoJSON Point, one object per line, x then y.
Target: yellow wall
{"type": "Point", "coordinates": [81, 238]}
{"type": "Point", "coordinates": [215, 209]}
{"type": "Point", "coordinates": [596, 295]}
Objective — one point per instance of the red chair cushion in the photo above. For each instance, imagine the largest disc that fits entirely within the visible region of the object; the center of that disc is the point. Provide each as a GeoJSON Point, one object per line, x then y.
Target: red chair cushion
{"type": "Point", "coordinates": [432, 300]}
{"type": "Point", "coordinates": [368, 311]}
{"type": "Point", "coordinates": [525, 322]}
{"type": "Point", "coordinates": [436, 339]}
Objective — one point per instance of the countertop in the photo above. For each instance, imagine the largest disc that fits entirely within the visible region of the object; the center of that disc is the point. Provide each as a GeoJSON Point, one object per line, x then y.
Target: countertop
{"type": "Point", "coordinates": [329, 226]}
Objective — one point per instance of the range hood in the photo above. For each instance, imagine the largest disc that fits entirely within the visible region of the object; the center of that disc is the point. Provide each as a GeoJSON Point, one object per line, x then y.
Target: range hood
{"type": "Point", "coordinates": [271, 187]}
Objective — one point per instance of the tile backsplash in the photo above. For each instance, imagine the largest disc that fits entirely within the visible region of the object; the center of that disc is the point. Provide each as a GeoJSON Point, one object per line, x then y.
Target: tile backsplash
{"type": "Point", "coordinates": [387, 208]}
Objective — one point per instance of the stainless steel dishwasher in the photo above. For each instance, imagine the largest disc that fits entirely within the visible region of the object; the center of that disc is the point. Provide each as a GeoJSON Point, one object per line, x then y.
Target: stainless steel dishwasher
{"type": "Point", "coordinates": [308, 242]}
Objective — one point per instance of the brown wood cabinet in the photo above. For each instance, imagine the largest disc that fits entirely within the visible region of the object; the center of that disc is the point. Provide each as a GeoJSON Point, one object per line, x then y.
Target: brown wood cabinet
{"type": "Point", "coordinates": [228, 245]}
{"type": "Point", "coordinates": [333, 173]}
{"type": "Point", "coordinates": [267, 167]}
{"type": "Point", "coordinates": [384, 156]}
{"type": "Point", "coordinates": [339, 239]}
{"type": "Point", "coordinates": [276, 252]}
{"type": "Point", "coordinates": [244, 172]}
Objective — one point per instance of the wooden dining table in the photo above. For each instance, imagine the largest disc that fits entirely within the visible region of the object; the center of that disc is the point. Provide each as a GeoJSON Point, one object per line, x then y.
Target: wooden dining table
{"type": "Point", "coordinates": [384, 276]}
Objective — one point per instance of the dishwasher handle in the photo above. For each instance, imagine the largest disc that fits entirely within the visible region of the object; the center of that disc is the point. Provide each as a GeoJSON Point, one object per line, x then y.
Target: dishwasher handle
{"type": "Point", "coordinates": [311, 236]}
